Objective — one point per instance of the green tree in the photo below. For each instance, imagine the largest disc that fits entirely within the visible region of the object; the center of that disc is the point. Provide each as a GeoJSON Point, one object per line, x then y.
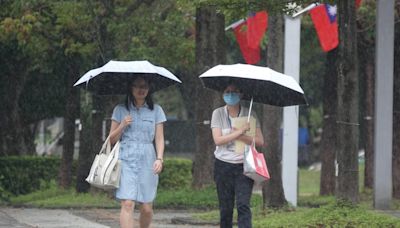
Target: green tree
{"type": "Point", "coordinates": [73, 32]}
{"type": "Point", "coordinates": [24, 57]}
{"type": "Point", "coordinates": [128, 30]}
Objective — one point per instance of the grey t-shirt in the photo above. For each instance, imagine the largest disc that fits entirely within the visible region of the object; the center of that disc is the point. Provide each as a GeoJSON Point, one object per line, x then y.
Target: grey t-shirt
{"type": "Point", "coordinates": [220, 119]}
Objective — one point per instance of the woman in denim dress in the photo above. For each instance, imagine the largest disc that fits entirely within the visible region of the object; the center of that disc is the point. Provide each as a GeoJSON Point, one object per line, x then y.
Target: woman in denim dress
{"type": "Point", "coordinates": [137, 124]}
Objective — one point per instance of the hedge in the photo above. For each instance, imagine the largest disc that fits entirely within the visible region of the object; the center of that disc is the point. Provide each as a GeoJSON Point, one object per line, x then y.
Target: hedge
{"type": "Point", "coordinates": [176, 174]}
{"type": "Point", "coordinates": [23, 175]}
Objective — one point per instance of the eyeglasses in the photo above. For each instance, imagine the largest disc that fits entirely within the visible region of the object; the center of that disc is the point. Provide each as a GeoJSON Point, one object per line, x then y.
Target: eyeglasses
{"type": "Point", "coordinates": [140, 86]}
{"type": "Point", "coordinates": [232, 91]}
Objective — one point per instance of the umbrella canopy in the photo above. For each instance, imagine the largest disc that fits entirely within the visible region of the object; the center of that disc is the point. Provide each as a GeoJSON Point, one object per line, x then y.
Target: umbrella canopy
{"type": "Point", "coordinates": [262, 84]}
{"type": "Point", "coordinates": [112, 78]}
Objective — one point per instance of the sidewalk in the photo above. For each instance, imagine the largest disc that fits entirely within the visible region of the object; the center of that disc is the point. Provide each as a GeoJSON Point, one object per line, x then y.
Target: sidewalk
{"type": "Point", "coordinates": [89, 218]}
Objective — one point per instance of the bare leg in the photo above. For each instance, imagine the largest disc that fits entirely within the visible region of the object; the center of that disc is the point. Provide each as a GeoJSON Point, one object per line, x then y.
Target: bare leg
{"type": "Point", "coordinates": [146, 215]}
{"type": "Point", "coordinates": [126, 215]}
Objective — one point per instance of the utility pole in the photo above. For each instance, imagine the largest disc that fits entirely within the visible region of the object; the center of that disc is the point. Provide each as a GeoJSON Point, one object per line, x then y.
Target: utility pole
{"type": "Point", "coordinates": [383, 135]}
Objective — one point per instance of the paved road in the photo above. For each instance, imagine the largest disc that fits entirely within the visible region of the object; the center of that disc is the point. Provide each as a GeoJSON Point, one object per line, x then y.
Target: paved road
{"type": "Point", "coordinates": [91, 218]}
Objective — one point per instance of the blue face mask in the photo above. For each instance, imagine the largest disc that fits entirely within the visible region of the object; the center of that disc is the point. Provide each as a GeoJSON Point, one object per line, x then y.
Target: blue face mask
{"type": "Point", "coordinates": [231, 98]}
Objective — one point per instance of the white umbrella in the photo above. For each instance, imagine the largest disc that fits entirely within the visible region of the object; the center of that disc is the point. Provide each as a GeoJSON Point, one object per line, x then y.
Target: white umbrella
{"type": "Point", "coordinates": [112, 78]}
{"type": "Point", "coordinates": [262, 84]}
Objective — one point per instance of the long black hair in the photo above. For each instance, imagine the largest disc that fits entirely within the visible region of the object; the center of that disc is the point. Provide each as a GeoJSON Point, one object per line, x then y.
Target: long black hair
{"type": "Point", "coordinates": [131, 99]}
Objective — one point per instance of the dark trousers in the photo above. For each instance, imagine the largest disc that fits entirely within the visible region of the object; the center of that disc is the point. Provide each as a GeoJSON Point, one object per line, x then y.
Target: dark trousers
{"type": "Point", "coordinates": [233, 185]}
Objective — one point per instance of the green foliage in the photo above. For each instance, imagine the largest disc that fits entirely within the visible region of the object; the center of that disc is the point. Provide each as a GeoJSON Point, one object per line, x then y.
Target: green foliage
{"type": "Point", "coordinates": [22, 175]}
{"type": "Point", "coordinates": [165, 36]}
{"type": "Point", "coordinates": [39, 95]}
{"type": "Point", "coordinates": [332, 215]}
{"type": "Point", "coordinates": [315, 120]}
{"type": "Point", "coordinates": [240, 7]}
{"type": "Point", "coordinates": [171, 102]}
{"type": "Point", "coordinates": [4, 194]}
{"type": "Point", "coordinates": [315, 200]}
{"type": "Point", "coordinates": [176, 174]}
{"type": "Point", "coordinates": [47, 36]}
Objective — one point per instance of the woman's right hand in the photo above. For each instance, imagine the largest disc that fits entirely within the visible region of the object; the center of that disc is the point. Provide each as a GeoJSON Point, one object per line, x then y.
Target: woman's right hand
{"type": "Point", "coordinates": [127, 121]}
{"type": "Point", "coordinates": [245, 128]}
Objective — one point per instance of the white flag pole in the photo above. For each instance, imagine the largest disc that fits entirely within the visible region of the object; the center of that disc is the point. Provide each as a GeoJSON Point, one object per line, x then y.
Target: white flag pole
{"type": "Point", "coordinates": [235, 24]}
{"type": "Point", "coordinates": [308, 8]}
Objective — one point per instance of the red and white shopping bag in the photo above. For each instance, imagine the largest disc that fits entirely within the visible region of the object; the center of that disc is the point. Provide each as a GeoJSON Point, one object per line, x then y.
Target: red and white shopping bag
{"type": "Point", "coordinates": [254, 165]}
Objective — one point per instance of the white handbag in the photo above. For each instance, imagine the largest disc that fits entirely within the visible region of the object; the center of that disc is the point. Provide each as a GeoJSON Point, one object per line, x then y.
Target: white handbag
{"type": "Point", "coordinates": [105, 172]}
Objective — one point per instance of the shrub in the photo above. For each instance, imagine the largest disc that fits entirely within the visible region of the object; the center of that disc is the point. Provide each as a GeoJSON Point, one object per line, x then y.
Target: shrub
{"type": "Point", "coordinates": [22, 175]}
{"type": "Point", "coordinates": [4, 195]}
{"type": "Point", "coordinates": [25, 174]}
{"type": "Point", "coordinates": [176, 174]}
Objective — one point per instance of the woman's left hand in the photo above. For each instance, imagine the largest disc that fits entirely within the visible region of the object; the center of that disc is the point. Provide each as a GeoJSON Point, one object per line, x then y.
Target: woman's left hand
{"type": "Point", "coordinates": [157, 166]}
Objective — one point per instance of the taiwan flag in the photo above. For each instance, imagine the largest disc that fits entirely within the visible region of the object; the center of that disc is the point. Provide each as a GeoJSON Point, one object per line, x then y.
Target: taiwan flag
{"type": "Point", "coordinates": [249, 34]}
{"type": "Point", "coordinates": [324, 18]}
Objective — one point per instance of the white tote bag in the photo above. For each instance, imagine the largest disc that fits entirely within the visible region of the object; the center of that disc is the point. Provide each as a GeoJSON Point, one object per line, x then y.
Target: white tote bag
{"type": "Point", "coordinates": [105, 172]}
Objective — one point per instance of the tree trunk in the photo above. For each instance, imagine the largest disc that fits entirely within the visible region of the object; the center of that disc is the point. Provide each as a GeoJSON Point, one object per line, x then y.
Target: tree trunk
{"type": "Point", "coordinates": [71, 113]}
{"type": "Point", "coordinates": [210, 36]}
{"type": "Point", "coordinates": [14, 140]}
{"type": "Point", "coordinates": [188, 91]}
{"type": "Point", "coordinates": [366, 53]}
{"type": "Point", "coordinates": [86, 154]}
{"type": "Point", "coordinates": [368, 125]}
{"type": "Point", "coordinates": [328, 138]}
{"type": "Point", "coordinates": [396, 108]}
{"type": "Point", "coordinates": [13, 79]}
{"type": "Point", "coordinates": [347, 117]}
{"type": "Point", "coordinates": [273, 194]}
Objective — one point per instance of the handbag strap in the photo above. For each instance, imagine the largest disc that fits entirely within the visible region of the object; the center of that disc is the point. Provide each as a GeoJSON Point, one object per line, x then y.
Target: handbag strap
{"type": "Point", "coordinates": [106, 148]}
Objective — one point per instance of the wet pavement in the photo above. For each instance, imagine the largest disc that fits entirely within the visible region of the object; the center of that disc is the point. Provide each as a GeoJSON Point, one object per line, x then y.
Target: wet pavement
{"type": "Point", "coordinates": [90, 218]}
{"type": "Point", "coordinates": [102, 218]}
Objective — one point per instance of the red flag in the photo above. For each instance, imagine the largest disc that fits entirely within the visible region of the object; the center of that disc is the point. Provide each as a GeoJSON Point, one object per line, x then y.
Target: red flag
{"type": "Point", "coordinates": [358, 3]}
{"type": "Point", "coordinates": [324, 18]}
{"type": "Point", "coordinates": [256, 27]}
{"type": "Point", "coordinates": [249, 34]}
{"type": "Point", "coordinates": [250, 55]}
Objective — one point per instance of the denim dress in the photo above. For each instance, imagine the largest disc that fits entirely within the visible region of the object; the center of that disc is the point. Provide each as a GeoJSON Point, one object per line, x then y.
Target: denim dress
{"type": "Point", "coordinates": [137, 152]}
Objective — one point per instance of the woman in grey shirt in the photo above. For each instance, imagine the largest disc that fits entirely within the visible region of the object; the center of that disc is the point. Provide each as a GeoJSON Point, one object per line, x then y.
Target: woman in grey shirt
{"type": "Point", "coordinates": [231, 183]}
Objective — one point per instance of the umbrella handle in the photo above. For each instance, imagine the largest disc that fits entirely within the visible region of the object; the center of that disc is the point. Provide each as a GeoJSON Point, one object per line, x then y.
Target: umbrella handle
{"type": "Point", "coordinates": [251, 106]}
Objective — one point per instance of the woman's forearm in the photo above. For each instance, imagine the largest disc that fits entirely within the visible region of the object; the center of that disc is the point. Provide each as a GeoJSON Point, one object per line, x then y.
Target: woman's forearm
{"type": "Point", "coordinates": [258, 139]}
{"type": "Point", "coordinates": [225, 139]}
{"type": "Point", "coordinates": [159, 140]}
{"type": "Point", "coordinates": [115, 132]}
